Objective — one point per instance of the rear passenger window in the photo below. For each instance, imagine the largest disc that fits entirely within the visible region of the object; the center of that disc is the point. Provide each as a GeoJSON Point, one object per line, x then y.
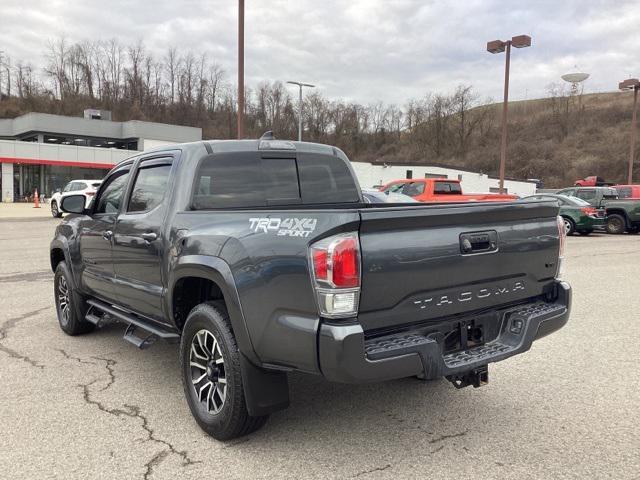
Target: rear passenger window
{"type": "Point", "coordinates": [149, 188]}
{"type": "Point", "coordinates": [325, 179]}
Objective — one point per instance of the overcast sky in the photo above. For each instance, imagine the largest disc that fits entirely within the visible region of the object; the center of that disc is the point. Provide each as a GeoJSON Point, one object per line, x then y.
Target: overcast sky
{"type": "Point", "coordinates": [355, 49]}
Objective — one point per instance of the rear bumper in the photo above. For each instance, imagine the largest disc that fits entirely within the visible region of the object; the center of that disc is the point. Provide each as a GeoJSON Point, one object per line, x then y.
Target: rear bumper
{"type": "Point", "coordinates": [591, 223]}
{"type": "Point", "coordinates": [345, 356]}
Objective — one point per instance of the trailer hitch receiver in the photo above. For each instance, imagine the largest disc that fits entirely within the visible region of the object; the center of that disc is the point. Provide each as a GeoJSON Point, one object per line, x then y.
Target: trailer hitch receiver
{"type": "Point", "coordinates": [477, 377]}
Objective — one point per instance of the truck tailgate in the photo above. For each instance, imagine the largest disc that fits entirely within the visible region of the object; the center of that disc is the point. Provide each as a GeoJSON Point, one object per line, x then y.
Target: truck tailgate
{"type": "Point", "coordinates": [430, 262]}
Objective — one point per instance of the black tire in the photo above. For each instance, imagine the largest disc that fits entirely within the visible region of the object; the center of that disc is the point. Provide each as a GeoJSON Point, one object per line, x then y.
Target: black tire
{"type": "Point", "coordinates": [231, 420]}
{"type": "Point", "coordinates": [584, 233]}
{"type": "Point", "coordinates": [55, 211]}
{"type": "Point", "coordinates": [569, 226]}
{"type": "Point", "coordinates": [616, 224]}
{"type": "Point", "coordinates": [71, 311]}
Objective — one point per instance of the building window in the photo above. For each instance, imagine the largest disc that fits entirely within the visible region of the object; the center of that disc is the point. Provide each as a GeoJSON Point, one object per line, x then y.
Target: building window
{"type": "Point", "coordinates": [409, 174]}
{"type": "Point", "coordinates": [435, 175]}
{"type": "Point", "coordinates": [460, 176]}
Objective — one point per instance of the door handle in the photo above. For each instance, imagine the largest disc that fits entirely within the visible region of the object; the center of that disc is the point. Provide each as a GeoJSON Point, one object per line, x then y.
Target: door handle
{"type": "Point", "coordinates": [149, 236]}
{"type": "Point", "coordinates": [107, 235]}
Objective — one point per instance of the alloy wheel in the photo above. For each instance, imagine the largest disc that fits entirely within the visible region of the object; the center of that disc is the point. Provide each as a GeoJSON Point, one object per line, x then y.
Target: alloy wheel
{"type": "Point", "coordinates": [567, 226]}
{"type": "Point", "coordinates": [54, 209]}
{"type": "Point", "coordinates": [63, 300]}
{"type": "Point", "coordinates": [208, 371]}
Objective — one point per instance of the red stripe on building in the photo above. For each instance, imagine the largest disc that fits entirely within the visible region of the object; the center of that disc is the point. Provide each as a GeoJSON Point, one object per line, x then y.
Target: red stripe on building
{"type": "Point", "coordinates": [60, 163]}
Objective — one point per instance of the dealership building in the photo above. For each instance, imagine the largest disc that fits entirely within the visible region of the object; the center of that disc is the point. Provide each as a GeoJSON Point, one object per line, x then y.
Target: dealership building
{"type": "Point", "coordinates": [44, 152]}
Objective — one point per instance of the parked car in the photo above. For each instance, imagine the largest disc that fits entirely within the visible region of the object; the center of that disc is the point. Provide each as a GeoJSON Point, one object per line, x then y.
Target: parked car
{"type": "Point", "coordinates": [577, 214]}
{"type": "Point", "coordinates": [88, 188]}
{"type": "Point", "coordinates": [592, 181]}
{"type": "Point", "coordinates": [628, 191]}
{"type": "Point", "coordinates": [371, 195]}
{"type": "Point", "coordinates": [262, 258]}
{"type": "Point", "coordinates": [441, 190]}
{"type": "Point", "coordinates": [594, 195]}
{"type": "Point", "coordinates": [623, 215]}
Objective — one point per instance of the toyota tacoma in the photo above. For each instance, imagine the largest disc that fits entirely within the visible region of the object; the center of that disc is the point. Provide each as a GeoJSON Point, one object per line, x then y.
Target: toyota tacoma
{"type": "Point", "coordinates": [260, 258]}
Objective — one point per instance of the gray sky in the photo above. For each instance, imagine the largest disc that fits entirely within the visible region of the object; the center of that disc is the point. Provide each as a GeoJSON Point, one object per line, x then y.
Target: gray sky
{"type": "Point", "coordinates": [355, 49]}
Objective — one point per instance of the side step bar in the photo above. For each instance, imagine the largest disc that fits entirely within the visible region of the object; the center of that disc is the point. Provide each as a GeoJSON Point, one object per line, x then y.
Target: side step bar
{"type": "Point", "coordinates": [139, 332]}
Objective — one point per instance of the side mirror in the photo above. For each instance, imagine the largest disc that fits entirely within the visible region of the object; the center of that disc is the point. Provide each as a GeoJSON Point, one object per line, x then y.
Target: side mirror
{"type": "Point", "coordinates": [73, 204]}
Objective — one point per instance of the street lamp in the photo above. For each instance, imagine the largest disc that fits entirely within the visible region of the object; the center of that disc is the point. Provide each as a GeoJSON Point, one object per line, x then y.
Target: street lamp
{"type": "Point", "coordinates": [498, 46]}
{"type": "Point", "coordinates": [240, 69]}
{"type": "Point", "coordinates": [300, 85]}
{"type": "Point", "coordinates": [632, 84]}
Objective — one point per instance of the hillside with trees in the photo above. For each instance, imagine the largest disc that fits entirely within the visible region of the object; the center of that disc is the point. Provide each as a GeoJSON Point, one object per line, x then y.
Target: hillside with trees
{"type": "Point", "coordinates": [557, 139]}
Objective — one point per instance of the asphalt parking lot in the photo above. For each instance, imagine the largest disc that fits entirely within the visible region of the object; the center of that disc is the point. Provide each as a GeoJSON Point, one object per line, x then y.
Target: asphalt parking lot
{"type": "Point", "coordinates": [96, 407]}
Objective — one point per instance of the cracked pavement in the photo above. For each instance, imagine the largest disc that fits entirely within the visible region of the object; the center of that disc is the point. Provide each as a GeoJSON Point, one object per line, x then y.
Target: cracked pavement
{"type": "Point", "coordinates": [96, 407]}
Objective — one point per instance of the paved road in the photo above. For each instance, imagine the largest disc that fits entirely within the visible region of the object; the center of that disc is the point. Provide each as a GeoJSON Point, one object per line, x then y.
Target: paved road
{"type": "Point", "coordinates": [95, 407]}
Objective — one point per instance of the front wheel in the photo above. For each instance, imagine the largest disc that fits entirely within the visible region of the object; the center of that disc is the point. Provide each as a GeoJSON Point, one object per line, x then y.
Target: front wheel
{"type": "Point", "coordinates": [211, 374]}
{"type": "Point", "coordinates": [70, 305]}
{"type": "Point", "coordinates": [615, 224]}
{"type": "Point", "coordinates": [55, 211]}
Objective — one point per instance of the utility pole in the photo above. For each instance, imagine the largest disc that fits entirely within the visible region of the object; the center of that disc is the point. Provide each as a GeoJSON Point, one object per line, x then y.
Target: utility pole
{"type": "Point", "coordinates": [300, 85]}
{"type": "Point", "coordinates": [632, 84]}
{"type": "Point", "coordinates": [240, 69]}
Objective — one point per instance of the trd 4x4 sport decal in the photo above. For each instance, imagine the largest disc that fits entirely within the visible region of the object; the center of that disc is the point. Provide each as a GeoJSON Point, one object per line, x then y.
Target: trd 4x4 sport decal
{"type": "Point", "coordinates": [284, 227]}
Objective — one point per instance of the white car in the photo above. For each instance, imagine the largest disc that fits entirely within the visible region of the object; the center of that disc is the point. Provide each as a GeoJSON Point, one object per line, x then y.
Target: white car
{"type": "Point", "coordinates": [74, 187]}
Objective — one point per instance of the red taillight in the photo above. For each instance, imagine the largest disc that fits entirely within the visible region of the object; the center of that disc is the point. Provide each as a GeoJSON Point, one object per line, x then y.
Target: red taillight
{"type": "Point", "coordinates": [589, 211]}
{"type": "Point", "coordinates": [336, 261]}
{"type": "Point", "coordinates": [336, 274]}
{"type": "Point", "coordinates": [345, 264]}
{"type": "Point", "coordinates": [320, 263]}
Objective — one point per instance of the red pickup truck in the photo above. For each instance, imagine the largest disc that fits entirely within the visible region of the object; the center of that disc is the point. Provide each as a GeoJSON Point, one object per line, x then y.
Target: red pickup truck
{"type": "Point", "coordinates": [441, 190]}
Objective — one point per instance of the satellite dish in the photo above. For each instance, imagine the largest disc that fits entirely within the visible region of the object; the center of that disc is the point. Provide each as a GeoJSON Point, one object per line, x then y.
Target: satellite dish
{"type": "Point", "coordinates": [575, 77]}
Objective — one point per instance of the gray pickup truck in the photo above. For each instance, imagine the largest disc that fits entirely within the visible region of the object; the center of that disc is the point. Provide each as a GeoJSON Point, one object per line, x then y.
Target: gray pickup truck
{"type": "Point", "coordinates": [260, 258]}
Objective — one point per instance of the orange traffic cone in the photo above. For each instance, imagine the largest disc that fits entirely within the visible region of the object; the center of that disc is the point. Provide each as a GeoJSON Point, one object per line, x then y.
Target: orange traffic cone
{"type": "Point", "coordinates": [36, 200]}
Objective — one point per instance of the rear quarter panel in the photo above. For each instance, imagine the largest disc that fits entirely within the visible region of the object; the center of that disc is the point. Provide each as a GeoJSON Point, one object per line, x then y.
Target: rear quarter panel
{"type": "Point", "coordinates": [270, 267]}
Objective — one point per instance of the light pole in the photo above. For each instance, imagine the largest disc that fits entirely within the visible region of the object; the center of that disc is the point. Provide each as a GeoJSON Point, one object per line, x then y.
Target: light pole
{"type": "Point", "coordinates": [498, 46]}
{"type": "Point", "coordinates": [240, 69]}
{"type": "Point", "coordinates": [632, 84]}
{"type": "Point", "coordinates": [300, 85]}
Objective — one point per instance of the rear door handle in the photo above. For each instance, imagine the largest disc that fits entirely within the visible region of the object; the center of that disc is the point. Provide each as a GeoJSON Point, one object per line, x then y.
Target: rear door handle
{"type": "Point", "coordinates": [107, 235]}
{"type": "Point", "coordinates": [149, 236]}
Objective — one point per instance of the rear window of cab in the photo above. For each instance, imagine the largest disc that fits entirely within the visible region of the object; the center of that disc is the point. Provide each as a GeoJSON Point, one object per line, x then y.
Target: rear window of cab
{"type": "Point", "coordinates": [250, 179]}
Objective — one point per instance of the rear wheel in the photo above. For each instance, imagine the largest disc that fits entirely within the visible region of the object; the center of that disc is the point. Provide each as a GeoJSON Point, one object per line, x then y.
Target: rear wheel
{"type": "Point", "coordinates": [70, 305]}
{"type": "Point", "coordinates": [569, 226]}
{"type": "Point", "coordinates": [211, 374]}
{"type": "Point", "coordinates": [615, 224]}
{"type": "Point", "coordinates": [55, 211]}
